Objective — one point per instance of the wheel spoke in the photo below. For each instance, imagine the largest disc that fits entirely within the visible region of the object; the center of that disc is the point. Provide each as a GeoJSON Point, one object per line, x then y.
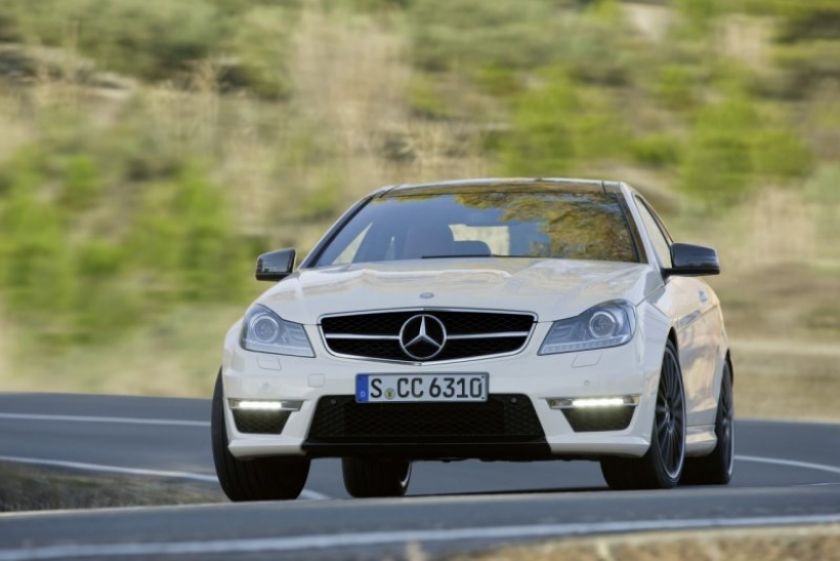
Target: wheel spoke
{"type": "Point", "coordinates": [663, 440]}
{"type": "Point", "coordinates": [675, 385]}
{"type": "Point", "coordinates": [671, 384]}
{"type": "Point", "coordinates": [669, 415]}
{"type": "Point", "coordinates": [670, 412]}
{"type": "Point", "coordinates": [674, 450]}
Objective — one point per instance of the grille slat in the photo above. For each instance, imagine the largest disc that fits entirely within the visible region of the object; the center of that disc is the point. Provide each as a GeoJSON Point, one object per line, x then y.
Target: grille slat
{"type": "Point", "coordinates": [502, 418]}
{"type": "Point", "coordinates": [471, 334]}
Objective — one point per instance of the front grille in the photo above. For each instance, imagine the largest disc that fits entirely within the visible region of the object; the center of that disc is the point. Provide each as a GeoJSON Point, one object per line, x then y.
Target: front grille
{"type": "Point", "coordinates": [265, 422]}
{"type": "Point", "coordinates": [598, 419]}
{"type": "Point", "coordinates": [339, 419]}
{"type": "Point", "coordinates": [468, 334]}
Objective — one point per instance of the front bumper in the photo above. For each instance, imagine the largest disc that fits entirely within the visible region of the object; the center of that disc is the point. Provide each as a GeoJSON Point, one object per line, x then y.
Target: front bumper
{"type": "Point", "coordinates": [609, 372]}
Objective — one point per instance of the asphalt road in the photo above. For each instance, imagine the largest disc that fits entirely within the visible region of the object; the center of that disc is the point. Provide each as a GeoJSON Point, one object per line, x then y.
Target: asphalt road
{"type": "Point", "coordinates": [786, 473]}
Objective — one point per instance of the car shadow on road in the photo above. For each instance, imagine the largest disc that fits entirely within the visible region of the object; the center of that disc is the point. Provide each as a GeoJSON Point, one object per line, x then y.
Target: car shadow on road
{"type": "Point", "coordinates": [558, 490]}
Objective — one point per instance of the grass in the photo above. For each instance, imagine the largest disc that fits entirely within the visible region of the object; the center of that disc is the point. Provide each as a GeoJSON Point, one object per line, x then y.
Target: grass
{"type": "Point", "coordinates": [186, 343]}
{"type": "Point", "coordinates": [808, 543]}
{"type": "Point", "coordinates": [27, 488]}
{"type": "Point", "coordinates": [772, 382]}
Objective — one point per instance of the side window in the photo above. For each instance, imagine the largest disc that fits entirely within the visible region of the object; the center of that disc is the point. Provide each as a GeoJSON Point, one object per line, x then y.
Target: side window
{"type": "Point", "coordinates": [657, 234]}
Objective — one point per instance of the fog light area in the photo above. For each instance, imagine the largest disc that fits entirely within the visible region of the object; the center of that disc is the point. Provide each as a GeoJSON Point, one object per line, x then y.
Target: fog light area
{"type": "Point", "coordinates": [265, 405]}
{"type": "Point", "coordinates": [592, 402]}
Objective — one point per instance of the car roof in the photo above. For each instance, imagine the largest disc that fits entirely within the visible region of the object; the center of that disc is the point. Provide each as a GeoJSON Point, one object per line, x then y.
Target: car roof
{"type": "Point", "coordinates": [506, 183]}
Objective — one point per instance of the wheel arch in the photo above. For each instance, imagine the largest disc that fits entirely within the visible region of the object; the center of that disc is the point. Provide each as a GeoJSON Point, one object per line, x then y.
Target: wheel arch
{"type": "Point", "coordinates": [672, 336]}
{"type": "Point", "coordinates": [728, 360]}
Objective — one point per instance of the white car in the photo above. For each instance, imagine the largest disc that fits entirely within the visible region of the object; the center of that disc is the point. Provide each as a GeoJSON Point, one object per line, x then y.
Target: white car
{"type": "Point", "coordinates": [498, 319]}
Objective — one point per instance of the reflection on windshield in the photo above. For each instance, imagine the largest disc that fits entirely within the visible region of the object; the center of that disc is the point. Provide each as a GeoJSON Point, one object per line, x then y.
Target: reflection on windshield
{"type": "Point", "coordinates": [563, 225]}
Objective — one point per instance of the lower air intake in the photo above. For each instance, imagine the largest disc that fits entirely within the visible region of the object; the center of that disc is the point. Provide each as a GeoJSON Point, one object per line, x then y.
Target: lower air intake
{"type": "Point", "coordinates": [502, 418]}
{"type": "Point", "coordinates": [599, 419]}
{"type": "Point", "coordinates": [260, 422]}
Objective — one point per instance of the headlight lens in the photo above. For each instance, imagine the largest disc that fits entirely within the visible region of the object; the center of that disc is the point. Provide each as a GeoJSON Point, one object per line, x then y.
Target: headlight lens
{"type": "Point", "coordinates": [607, 325]}
{"type": "Point", "coordinates": [266, 332]}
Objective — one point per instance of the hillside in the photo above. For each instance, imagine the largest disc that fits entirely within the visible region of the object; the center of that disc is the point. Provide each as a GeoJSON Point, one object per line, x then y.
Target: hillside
{"type": "Point", "coordinates": [150, 149]}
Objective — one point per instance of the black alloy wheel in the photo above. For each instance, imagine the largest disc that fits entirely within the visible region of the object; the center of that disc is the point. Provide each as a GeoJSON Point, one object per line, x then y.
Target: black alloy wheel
{"type": "Point", "coordinates": [717, 468]}
{"type": "Point", "coordinates": [662, 465]}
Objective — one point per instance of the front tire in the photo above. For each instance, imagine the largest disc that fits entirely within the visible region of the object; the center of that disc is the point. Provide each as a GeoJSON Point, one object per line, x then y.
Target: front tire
{"type": "Point", "coordinates": [662, 466]}
{"type": "Point", "coordinates": [258, 479]}
{"type": "Point", "coordinates": [717, 467]}
{"type": "Point", "coordinates": [372, 477]}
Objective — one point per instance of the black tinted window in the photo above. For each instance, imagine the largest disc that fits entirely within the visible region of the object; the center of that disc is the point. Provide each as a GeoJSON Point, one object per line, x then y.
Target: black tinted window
{"type": "Point", "coordinates": [507, 224]}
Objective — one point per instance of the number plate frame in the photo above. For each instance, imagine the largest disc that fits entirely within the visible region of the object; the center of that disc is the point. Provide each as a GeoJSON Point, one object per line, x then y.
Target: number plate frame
{"type": "Point", "coordinates": [418, 388]}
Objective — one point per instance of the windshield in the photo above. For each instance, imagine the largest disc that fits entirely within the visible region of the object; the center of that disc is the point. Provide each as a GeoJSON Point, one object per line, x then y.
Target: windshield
{"type": "Point", "coordinates": [558, 225]}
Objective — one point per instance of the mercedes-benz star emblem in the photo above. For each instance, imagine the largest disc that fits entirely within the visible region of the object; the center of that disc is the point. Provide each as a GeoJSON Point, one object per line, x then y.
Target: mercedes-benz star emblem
{"type": "Point", "coordinates": [422, 337]}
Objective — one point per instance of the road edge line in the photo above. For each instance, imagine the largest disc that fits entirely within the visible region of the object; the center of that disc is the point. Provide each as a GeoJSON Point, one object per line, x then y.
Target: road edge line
{"type": "Point", "coordinates": [331, 541]}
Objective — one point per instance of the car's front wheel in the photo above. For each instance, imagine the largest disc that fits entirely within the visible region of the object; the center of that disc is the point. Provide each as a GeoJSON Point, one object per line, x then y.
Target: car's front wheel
{"type": "Point", "coordinates": [374, 477]}
{"type": "Point", "coordinates": [258, 479]}
{"type": "Point", "coordinates": [661, 467]}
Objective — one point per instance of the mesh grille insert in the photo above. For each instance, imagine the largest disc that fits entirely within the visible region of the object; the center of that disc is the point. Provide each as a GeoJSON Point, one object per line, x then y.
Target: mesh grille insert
{"type": "Point", "coordinates": [595, 420]}
{"type": "Point", "coordinates": [265, 422]}
{"type": "Point", "coordinates": [502, 418]}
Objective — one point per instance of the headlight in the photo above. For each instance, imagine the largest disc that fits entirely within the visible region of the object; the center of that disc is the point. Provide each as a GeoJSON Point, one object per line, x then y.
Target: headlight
{"type": "Point", "coordinates": [266, 332]}
{"type": "Point", "coordinates": [607, 325]}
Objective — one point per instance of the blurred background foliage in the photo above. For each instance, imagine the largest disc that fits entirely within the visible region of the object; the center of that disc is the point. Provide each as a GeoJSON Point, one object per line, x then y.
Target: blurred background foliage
{"type": "Point", "coordinates": [150, 149]}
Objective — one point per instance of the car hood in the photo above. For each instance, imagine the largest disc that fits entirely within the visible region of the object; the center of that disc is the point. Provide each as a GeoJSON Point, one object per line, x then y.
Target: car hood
{"type": "Point", "coordinates": [551, 288]}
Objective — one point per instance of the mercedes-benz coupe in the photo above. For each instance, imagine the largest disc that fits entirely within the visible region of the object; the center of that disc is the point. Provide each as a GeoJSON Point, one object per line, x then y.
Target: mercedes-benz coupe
{"type": "Point", "coordinates": [496, 319]}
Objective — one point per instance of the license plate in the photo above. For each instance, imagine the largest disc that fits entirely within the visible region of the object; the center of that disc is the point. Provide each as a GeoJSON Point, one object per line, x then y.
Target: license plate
{"type": "Point", "coordinates": [401, 388]}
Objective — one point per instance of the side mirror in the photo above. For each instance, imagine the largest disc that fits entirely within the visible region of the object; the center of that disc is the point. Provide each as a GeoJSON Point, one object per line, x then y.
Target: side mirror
{"type": "Point", "coordinates": [693, 260]}
{"type": "Point", "coordinates": [275, 265]}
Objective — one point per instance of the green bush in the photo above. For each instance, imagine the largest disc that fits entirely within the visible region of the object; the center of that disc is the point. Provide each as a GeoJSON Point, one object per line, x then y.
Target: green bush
{"type": "Point", "coordinates": [559, 124]}
{"type": "Point", "coordinates": [377, 6]}
{"type": "Point", "coordinates": [465, 35]}
{"type": "Point", "coordinates": [718, 163]}
{"type": "Point", "coordinates": [657, 150]}
{"type": "Point", "coordinates": [183, 239]}
{"type": "Point", "coordinates": [90, 248]}
{"type": "Point", "coordinates": [676, 87]}
{"type": "Point", "coordinates": [596, 46]}
{"type": "Point", "coordinates": [806, 64]}
{"type": "Point", "coordinates": [736, 143]}
{"type": "Point", "coordinates": [778, 152]}
{"type": "Point", "coordinates": [542, 141]}
{"type": "Point", "coordinates": [815, 19]}
{"type": "Point", "coordinates": [698, 16]}
{"type": "Point", "coordinates": [259, 44]}
{"type": "Point", "coordinates": [36, 268]}
{"type": "Point", "coordinates": [497, 42]}
{"type": "Point", "coordinates": [151, 39]}
{"type": "Point", "coordinates": [163, 39]}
